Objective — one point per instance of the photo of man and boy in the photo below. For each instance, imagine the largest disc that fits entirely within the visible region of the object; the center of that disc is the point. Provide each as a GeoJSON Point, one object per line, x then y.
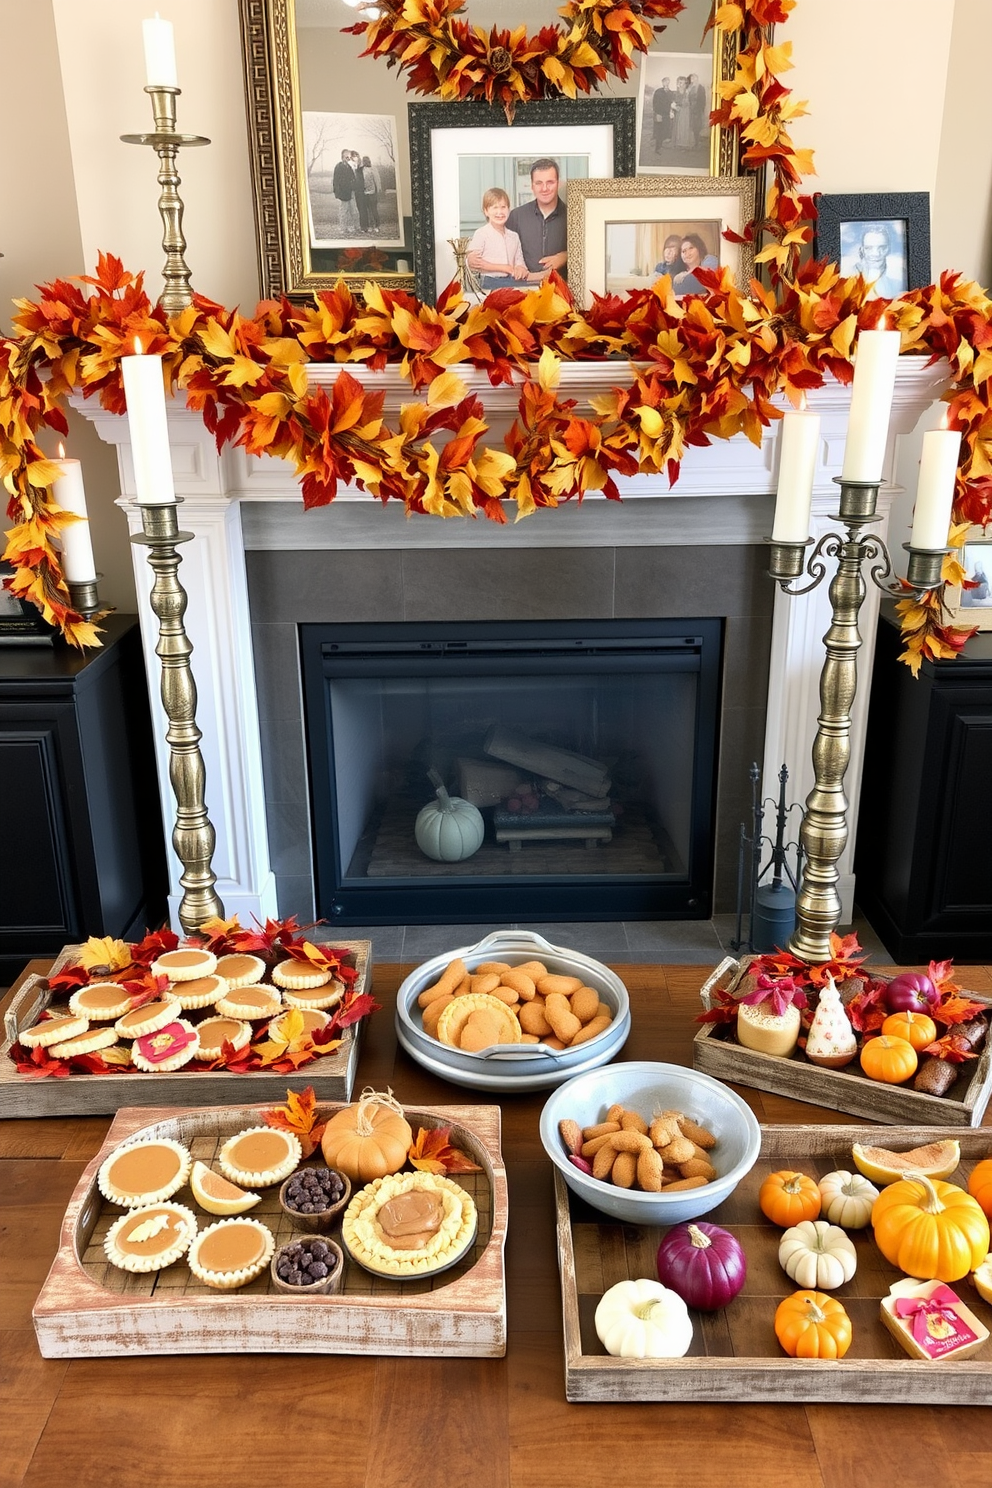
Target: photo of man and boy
{"type": "Point", "coordinates": [517, 247]}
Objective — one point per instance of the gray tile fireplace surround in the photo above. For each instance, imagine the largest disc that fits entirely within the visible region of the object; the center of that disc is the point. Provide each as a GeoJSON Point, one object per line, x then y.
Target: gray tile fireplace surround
{"type": "Point", "coordinates": [287, 588]}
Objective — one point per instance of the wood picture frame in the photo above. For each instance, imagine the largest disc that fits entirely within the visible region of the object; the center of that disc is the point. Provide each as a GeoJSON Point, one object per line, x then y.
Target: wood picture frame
{"type": "Point", "coordinates": [896, 225]}
{"type": "Point", "coordinates": [618, 230]}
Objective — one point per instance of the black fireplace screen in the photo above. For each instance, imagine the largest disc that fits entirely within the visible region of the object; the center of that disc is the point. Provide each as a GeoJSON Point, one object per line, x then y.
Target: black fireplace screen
{"type": "Point", "coordinates": [509, 772]}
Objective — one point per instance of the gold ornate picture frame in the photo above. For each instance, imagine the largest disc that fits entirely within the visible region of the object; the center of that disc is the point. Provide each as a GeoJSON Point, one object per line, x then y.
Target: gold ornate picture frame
{"type": "Point", "coordinates": [973, 606]}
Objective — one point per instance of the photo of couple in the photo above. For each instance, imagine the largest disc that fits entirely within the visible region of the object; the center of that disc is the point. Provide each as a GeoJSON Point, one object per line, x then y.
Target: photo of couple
{"type": "Point", "coordinates": [517, 247]}
{"type": "Point", "coordinates": [638, 253]}
{"type": "Point", "coordinates": [675, 108]}
{"type": "Point", "coordinates": [352, 183]}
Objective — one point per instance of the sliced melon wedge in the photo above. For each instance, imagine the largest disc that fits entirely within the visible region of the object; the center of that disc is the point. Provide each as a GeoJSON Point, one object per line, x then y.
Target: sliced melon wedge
{"type": "Point", "coordinates": [935, 1160]}
{"type": "Point", "coordinates": [983, 1278]}
{"type": "Point", "coordinates": [216, 1195]}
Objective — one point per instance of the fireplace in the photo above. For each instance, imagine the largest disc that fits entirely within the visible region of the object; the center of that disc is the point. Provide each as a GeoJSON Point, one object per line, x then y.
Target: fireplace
{"type": "Point", "coordinates": [587, 750]}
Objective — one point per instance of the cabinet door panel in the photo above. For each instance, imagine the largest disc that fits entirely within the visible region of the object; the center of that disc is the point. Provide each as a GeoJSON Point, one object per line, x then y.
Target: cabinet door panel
{"type": "Point", "coordinates": [963, 881]}
{"type": "Point", "coordinates": [35, 889]}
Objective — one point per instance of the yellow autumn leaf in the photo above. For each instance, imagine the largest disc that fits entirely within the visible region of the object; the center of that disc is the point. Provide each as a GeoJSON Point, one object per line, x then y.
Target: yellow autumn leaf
{"type": "Point", "coordinates": [493, 469]}
{"type": "Point", "coordinates": [730, 17]}
{"type": "Point", "coordinates": [43, 472]}
{"type": "Point", "coordinates": [445, 391]}
{"type": "Point", "coordinates": [651, 420]}
{"type": "Point", "coordinates": [524, 497]}
{"type": "Point", "coordinates": [104, 951]}
{"type": "Point", "coordinates": [548, 370]}
{"type": "Point", "coordinates": [272, 405]}
{"type": "Point", "coordinates": [217, 341]}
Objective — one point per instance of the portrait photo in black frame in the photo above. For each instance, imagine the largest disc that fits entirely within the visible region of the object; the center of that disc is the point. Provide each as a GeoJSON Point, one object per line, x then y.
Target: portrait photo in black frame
{"type": "Point", "coordinates": [555, 119]}
{"type": "Point", "coordinates": [883, 235]}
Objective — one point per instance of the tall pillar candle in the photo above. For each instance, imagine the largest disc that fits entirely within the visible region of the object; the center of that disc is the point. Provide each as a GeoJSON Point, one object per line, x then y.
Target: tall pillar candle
{"type": "Point", "coordinates": [875, 363]}
{"type": "Point", "coordinates": [935, 491]}
{"type": "Point", "coordinates": [160, 53]}
{"type": "Point", "coordinates": [78, 566]}
{"type": "Point", "coordinates": [800, 447]}
{"type": "Point", "coordinates": [144, 392]}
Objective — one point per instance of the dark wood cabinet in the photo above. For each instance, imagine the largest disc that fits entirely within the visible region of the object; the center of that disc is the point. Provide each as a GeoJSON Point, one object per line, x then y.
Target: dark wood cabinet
{"type": "Point", "coordinates": [924, 850]}
{"type": "Point", "coordinates": [83, 848]}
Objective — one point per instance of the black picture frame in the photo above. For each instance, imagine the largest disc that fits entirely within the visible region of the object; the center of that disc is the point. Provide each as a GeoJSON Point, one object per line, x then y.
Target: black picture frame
{"type": "Point", "coordinates": [424, 119]}
{"type": "Point", "coordinates": [20, 622]}
{"type": "Point", "coordinates": [866, 209]}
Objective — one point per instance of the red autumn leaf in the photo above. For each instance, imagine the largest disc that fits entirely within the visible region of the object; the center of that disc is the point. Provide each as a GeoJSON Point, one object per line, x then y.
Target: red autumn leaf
{"type": "Point", "coordinates": [146, 989]}
{"type": "Point", "coordinates": [69, 979]}
{"type": "Point", "coordinates": [957, 1010]}
{"type": "Point", "coordinates": [940, 974]}
{"type": "Point", "coordinates": [867, 1010]}
{"type": "Point", "coordinates": [353, 1009]}
{"type": "Point", "coordinates": [952, 1048]}
{"type": "Point", "coordinates": [155, 944]}
{"type": "Point", "coordinates": [431, 1151]}
{"type": "Point", "coordinates": [36, 1063]}
{"type": "Point", "coordinates": [298, 1115]}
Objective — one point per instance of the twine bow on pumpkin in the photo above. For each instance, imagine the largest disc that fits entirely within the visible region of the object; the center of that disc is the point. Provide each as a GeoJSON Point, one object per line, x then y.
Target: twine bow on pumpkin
{"type": "Point", "coordinates": [781, 993]}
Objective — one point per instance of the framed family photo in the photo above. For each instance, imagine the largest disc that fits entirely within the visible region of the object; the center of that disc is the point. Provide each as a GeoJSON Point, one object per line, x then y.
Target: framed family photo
{"type": "Point", "coordinates": [883, 236]}
{"type": "Point", "coordinates": [461, 156]}
{"type": "Point", "coordinates": [973, 606]}
{"type": "Point", "coordinates": [625, 235]}
{"type": "Point", "coordinates": [353, 187]}
{"type": "Point", "coordinates": [678, 88]}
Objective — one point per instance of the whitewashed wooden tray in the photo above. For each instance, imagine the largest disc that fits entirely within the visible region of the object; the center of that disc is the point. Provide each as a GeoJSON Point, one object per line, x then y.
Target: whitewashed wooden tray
{"type": "Point", "coordinates": [332, 1075]}
{"type": "Point", "coordinates": [88, 1308]}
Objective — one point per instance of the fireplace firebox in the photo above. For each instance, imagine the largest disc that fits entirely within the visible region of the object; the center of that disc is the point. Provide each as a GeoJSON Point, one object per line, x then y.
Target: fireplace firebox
{"type": "Point", "coordinates": [588, 748]}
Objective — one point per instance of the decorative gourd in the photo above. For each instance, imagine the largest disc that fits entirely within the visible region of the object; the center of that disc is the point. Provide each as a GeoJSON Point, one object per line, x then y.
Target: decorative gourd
{"type": "Point", "coordinates": [448, 829]}
{"type": "Point", "coordinates": [890, 1060]}
{"type": "Point", "coordinates": [817, 1255]}
{"type": "Point", "coordinates": [811, 1325]}
{"type": "Point", "coordinates": [643, 1320]}
{"type": "Point", "coordinates": [847, 1199]}
{"type": "Point", "coordinates": [930, 1229]}
{"type": "Point", "coordinates": [916, 1028]}
{"type": "Point", "coordinates": [369, 1139]}
{"type": "Point", "coordinates": [703, 1263]}
{"type": "Point", "coordinates": [980, 1185]}
{"type": "Point", "coordinates": [787, 1198]}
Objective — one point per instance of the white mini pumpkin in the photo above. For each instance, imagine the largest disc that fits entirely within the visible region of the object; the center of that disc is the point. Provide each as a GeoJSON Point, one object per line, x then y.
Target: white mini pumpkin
{"type": "Point", "coordinates": [643, 1320]}
{"type": "Point", "coordinates": [448, 829]}
{"type": "Point", "coordinates": [818, 1256]}
{"type": "Point", "coordinates": [847, 1199]}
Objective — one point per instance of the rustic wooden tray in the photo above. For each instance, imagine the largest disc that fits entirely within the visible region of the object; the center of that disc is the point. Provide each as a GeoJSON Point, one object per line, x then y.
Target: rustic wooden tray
{"type": "Point", "coordinates": [332, 1075]}
{"type": "Point", "coordinates": [88, 1308]}
{"type": "Point", "coordinates": [735, 1355]}
{"type": "Point", "coordinates": [716, 1052]}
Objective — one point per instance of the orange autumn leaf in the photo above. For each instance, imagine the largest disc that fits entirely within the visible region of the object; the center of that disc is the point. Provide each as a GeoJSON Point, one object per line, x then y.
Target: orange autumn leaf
{"type": "Point", "coordinates": [431, 1151]}
{"type": "Point", "coordinates": [298, 1115]}
{"type": "Point", "coordinates": [957, 1010]}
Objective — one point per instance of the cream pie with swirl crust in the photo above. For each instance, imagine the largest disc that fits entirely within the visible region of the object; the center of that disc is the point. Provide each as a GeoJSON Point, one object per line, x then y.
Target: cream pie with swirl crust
{"type": "Point", "coordinates": [150, 1238]}
{"type": "Point", "coordinates": [409, 1224]}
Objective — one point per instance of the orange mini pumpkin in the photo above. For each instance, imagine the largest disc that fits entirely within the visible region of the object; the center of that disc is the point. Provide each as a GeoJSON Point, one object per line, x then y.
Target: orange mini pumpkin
{"type": "Point", "coordinates": [980, 1185]}
{"type": "Point", "coordinates": [811, 1325]}
{"type": "Point", "coordinates": [890, 1060]}
{"type": "Point", "coordinates": [916, 1028]}
{"type": "Point", "coordinates": [788, 1198]}
{"type": "Point", "coordinates": [368, 1140]}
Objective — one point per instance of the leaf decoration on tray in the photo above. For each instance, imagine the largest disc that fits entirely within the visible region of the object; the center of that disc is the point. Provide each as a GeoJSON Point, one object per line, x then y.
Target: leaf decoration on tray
{"type": "Point", "coordinates": [298, 1115]}
{"type": "Point", "coordinates": [952, 1047]}
{"type": "Point", "coordinates": [940, 973]}
{"type": "Point", "coordinates": [431, 1151]}
{"type": "Point", "coordinates": [105, 952]}
{"type": "Point", "coordinates": [156, 943]}
{"type": "Point", "coordinates": [37, 1063]}
{"type": "Point", "coordinates": [954, 1009]}
{"type": "Point", "coordinates": [867, 1010]}
{"type": "Point", "coordinates": [330, 957]}
{"type": "Point", "coordinates": [69, 979]}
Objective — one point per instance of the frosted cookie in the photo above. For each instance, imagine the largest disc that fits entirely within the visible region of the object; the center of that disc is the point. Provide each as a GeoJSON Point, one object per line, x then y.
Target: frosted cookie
{"type": "Point", "coordinates": [260, 1156]}
{"type": "Point", "coordinates": [409, 1224]}
{"type": "Point", "coordinates": [231, 1253]}
{"type": "Point", "coordinates": [90, 1042]}
{"type": "Point", "coordinates": [150, 1238]}
{"type": "Point", "coordinates": [250, 1003]}
{"type": "Point", "coordinates": [185, 964]}
{"type": "Point", "coordinates": [100, 1002]}
{"type": "Point", "coordinates": [144, 1173]}
{"type": "Point", "coordinates": [240, 969]}
{"type": "Point", "coordinates": [326, 996]}
{"type": "Point", "coordinates": [52, 1031]}
{"type": "Point", "coordinates": [148, 1018]}
{"type": "Point", "coordinates": [167, 1049]}
{"type": "Point", "coordinates": [216, 1032]}
{"type": "Point", "coordinates": [299, 975]}
{"type": "Point", "coordinates": [201, 992]}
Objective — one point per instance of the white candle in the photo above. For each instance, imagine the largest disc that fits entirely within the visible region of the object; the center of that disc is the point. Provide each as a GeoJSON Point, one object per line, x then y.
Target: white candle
{"type": "Point", "coordinates": [871, 404]}
{"type": "Point", "coordinates": [800, 448]}
{"type": "Point", "coordinates": [935, 491]}
{"type": "Point", "coordinates": [160, 53]}
{"type": "Point", "coordinates": [77, 548]}
{"type": "Point", "coordinates": [144, 392]}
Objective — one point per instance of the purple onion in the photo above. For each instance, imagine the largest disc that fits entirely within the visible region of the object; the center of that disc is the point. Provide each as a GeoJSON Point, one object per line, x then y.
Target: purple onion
{"type": "Point", "coordinates": [703, 1263]}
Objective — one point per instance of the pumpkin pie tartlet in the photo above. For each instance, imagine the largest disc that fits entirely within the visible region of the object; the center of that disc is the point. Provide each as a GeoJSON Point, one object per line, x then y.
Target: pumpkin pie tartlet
{"type": "Point", "coordinates": [240, 970]}
{"type": "Point", "coordinates": [150, 1238]}
{"type": "Point", "coordinates": [185, 964]}
{"type": "Point", "coordinates": [326, 996]}
{"type": "Point", "coordinates": [148, 1018]}
{"type": "Point", "coordinates": [409, 1224]}
{"type": "Point", "coordinates": [216, 1032]}
{"type": "Point", "coordinates": [250, 1003]}
{"type": "Point", "coordinates": [143, 1173]}
{"type": "Point", "coordinates": [166, 1049]}
{"type": "Point", "coordinates": [100, 1002]}
{"type": "Point", "coordinates": [90, 1042]}
{"type": "Point", "coordinates": [299, 975]}
{"type": "Point", "coordinates": [57, 1030]}
{"type": "Point", "coordinates": [200, 992]}
{"type": "Point", "coordinates": [260, 1157]}
{"type": "Point", "coordinates": [231, 1253]}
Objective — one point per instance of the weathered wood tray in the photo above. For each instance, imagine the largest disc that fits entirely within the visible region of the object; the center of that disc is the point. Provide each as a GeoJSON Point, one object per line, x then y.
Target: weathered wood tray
{"type": "Point", "coordinates": [331, 1076]}
{"type": "Point", "coordinates": [735, 1355]}
{"type": "Point", "coordinates": [716, 1052]}
{"type": "Point", "coordinates": [88, 1308]}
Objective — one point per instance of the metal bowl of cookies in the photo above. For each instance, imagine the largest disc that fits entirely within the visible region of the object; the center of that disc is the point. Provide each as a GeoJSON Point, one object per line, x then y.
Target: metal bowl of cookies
{"type": "Point", "coordinates": [512, 1013]}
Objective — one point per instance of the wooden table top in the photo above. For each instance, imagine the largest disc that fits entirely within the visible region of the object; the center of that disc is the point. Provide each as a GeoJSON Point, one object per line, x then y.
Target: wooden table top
{"type": "Point", "coordinates": [280, 1420]}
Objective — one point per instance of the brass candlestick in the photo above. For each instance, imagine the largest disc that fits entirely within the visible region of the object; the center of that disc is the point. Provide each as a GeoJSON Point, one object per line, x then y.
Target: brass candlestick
{"type": "Point", "coordinates": [824, 829]}
{"type": "Point", "coordinates": [165, 141]}
{"type": "Point", "coordinates": [193, 835]}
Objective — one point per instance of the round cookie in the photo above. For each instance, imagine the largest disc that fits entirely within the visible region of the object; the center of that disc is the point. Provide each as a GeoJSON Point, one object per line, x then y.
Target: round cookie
{"type": "Point", "coordinates": [455, 1016]}
{"type": "Point", "coordinates": [185, 964]}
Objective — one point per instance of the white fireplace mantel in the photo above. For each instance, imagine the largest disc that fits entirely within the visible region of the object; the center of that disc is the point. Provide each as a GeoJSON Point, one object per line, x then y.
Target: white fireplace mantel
{"type": "Point", "coordinates": [723, 496]}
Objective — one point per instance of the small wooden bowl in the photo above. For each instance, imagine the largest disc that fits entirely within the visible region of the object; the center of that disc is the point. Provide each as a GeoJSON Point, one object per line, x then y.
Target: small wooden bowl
{"type": "Point", "coordinates": [325, 1219]}
{"type": "Point", "coordinates": [324, 1287]}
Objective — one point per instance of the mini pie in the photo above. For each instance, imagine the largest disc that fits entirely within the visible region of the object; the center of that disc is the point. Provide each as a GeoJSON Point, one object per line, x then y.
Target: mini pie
{"type": "Point", "coordinates": [312, 1017]}
{"type": "Point", "coordinates": [326, 996]}
{"type": "Point", "coordinates": [251, 1003]}
{"type": "Point", "coordinates": [185, 964]}
{"type": "Point", "coordinates": [260, 1156]}
{"type": "Point", "coordinates": [143, 1173]}
{"type": "Point", "coordinates": [201, 992]}
{"type": "Point", "coordinates": [89, 1042]}
{"type": "Point", "coordinates": [100, 1002]}
{"type": "Point", "coordinates": [150, 1238]}
{"type": "Point", "coordinates": [455, 1016]}
{"type": "Point", "coordinates": [231, 1253]}
{"type": "Point", "coordinates": [299, 975]}
{"type": "Point", "coordinates": [368, 1217]}
{"type": "Point", "coordinates": [148, 1018]}
{"type": "Point", "coordinates": [166, 1049]}
{"type": "Point", "coordinates": [240, 969]}
{"type": "Point", "coordinates": [215, 1032]}
{"type": "Point", "coordinates": [52, 1031]}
